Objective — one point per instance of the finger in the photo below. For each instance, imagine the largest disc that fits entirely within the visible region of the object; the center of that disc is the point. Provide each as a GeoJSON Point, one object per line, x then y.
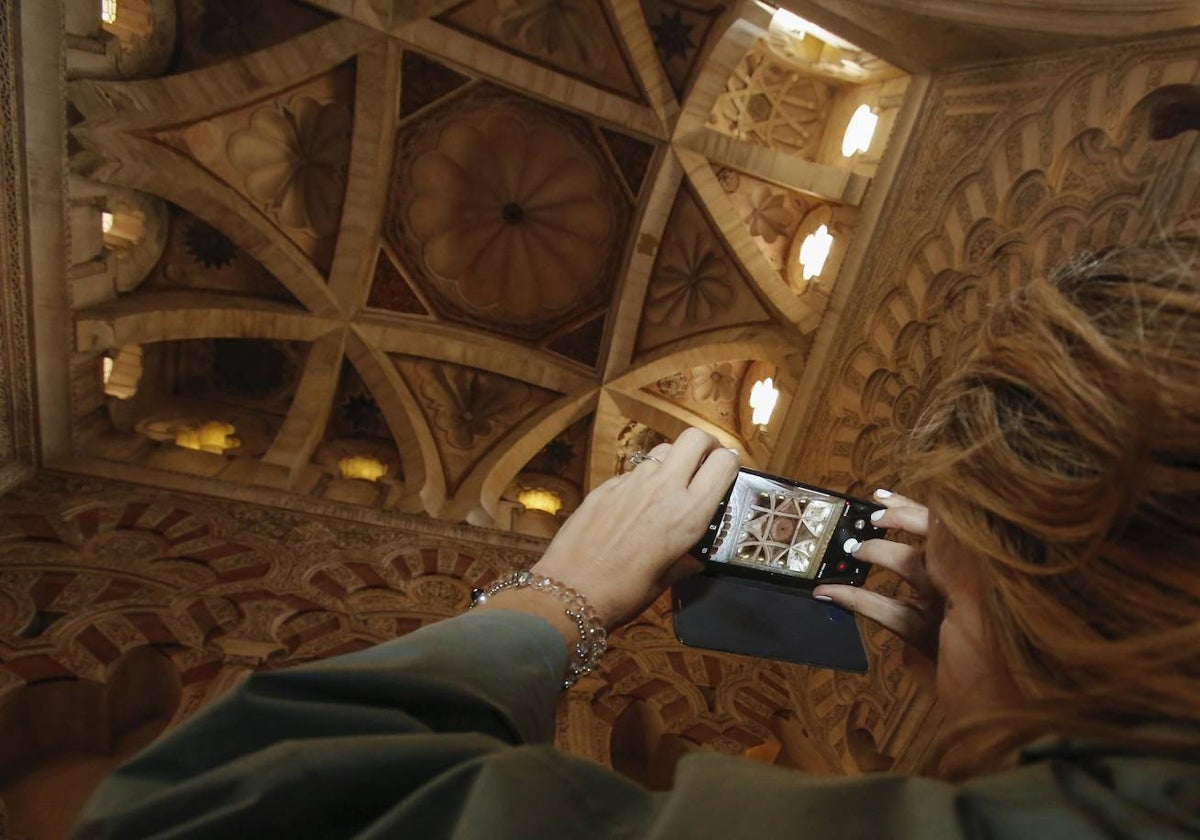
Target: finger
{"type": "Point", "coordinates": [713, 479]}
{"type": "Point", "coordinates": [660, 451]}
{"type": "Point", "coordinates": [904, 560]}
{"type": "Point", "coordinates": [685, 456]}
{"type": "Point", "coordinates": [913, 519]}
{"type": "Point", "coordinates": [657, 456]}
{"type": "Point", "coordinates": [902, 619]}
{"type": "Point", "coordinates": [890, 499]}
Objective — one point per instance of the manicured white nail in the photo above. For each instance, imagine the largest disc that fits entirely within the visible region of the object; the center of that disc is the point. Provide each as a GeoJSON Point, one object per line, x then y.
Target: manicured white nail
{"type": "Point", "coordinates": [877, 515]}
{"type": "Point", "coordinates": [734, 451]}
{"type": "Point", "coordinates": [823, 598]}
{"type": "Point", "coordinates": [851, 545]}
{"type": "Point", "coordinates": [883, 494]}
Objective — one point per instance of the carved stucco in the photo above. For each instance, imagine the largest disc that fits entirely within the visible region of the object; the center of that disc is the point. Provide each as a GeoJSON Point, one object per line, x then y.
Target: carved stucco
{"type": "Point", "coordinates": [769, 104]}
{"type": "Point", "coordinates": [91, 570]}
{"type": "Point", "coordinates": [573, 36]}
{"type": "Point", "coordinates": [1013, 169]}
{"type": "Point", "coordinates": [696, 284]}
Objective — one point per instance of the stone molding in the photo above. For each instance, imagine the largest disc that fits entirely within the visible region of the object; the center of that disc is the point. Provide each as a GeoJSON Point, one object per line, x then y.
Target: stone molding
{"type": "Point", "coordinates": [18, 422]}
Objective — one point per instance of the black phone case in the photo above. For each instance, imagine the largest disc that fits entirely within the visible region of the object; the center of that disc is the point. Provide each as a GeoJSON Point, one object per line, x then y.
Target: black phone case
{"type": "Point", "coordinates": [736, 615]}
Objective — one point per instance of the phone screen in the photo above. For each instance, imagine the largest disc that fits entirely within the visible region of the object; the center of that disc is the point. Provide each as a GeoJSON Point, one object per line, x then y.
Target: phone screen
{"type": "Point", "coordinates": [773, 528]}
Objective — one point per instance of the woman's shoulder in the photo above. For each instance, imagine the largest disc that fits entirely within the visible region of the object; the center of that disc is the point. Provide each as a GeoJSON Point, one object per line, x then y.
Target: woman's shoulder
{"type": "Point", "coordinates": [1063, 793]}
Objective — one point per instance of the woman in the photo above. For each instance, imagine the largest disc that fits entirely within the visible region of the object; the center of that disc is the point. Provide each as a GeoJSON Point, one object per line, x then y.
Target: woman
{"type": "Point", "coordinates": [1059, 592]}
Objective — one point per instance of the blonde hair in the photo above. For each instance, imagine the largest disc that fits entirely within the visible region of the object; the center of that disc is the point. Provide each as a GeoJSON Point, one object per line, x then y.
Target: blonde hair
{"type": "Point", "coordinates": [1064, 456]}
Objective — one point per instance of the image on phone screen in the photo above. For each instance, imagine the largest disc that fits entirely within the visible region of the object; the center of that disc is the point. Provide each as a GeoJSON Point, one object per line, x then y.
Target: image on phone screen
{"type": "Point", "coordinates": [776, 527]}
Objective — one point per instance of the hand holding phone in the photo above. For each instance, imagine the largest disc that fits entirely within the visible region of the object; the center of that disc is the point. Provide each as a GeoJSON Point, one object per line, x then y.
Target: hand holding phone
{"type": "Point", "coordinates": [916, 618]}
{"type": "Point", "coordinates": [623, 546]}
{"type": "Point", "coordinates": [770, 542]}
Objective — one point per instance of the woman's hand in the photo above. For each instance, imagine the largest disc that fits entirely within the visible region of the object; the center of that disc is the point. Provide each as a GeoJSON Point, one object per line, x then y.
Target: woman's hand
{"type": "Point", "coordinates": [914, 619]}
{"type": "Point", "coordinates": [627, 542]}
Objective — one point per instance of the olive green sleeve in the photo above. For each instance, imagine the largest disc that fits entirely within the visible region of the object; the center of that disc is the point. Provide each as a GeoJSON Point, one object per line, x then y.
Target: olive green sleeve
{"type": "Point", "coordinates": [325, 747]}
{"type": "Point", "coordinates": [445, 734]}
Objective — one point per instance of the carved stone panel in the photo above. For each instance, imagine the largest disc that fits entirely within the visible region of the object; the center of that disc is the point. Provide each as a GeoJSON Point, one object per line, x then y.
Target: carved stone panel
{"type": "Point", "coordinates": [507, 212]}
{"type": "Point", "coordinates": [288, 156]}
{"type": "Point", "coordinates": [696, 284]}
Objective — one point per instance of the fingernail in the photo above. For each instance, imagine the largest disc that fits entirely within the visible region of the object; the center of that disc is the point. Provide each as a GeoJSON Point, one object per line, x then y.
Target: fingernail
{"type": "Point", "coordinates": [823, 598]}
{"type": "Point", "coordinates": [877, 515]}
{"type": "Point", "coordinates": [851, 545]}
{"type": "Point", "coordinates": [883, 494]}
{"type": "Point", "coordinates": [734, 451]}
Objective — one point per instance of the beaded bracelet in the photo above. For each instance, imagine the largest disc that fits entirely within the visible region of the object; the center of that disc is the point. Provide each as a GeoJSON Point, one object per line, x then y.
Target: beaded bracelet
{"type": "Point", "coordinates": [593, 641]}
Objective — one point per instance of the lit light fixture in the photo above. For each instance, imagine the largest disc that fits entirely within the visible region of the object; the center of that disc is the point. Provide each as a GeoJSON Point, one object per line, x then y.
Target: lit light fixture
{"type": "Point", "coordinates": [537, 499]}
{"type": "Point", "coordinates": [214, 436]}
{"type": "Point", "coordinates": [108, 11]}
{"type": "Point", "coordinates": [108, 368]}
{"type": "Point", "coordinates": [783, 21]}
{"type": "Point", "coordinates": [814, 251]}
{"type": "Point", "coordinates": [106, 221]}
{"type": "Point", "coordinates": [859, 131]}
{"type": "Point", "coordinates": [763, 397]}
{"type": "Point", "coordinates": [360, 466]}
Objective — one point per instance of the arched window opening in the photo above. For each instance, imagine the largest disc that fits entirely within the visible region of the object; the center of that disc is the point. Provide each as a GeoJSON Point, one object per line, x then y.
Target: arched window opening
{"type": "Point", "coordinates": [123, 372]}
{"type": "Point", "coordinates": [122, 229]}
{"type": "Point", "coordinates": [130, 21]}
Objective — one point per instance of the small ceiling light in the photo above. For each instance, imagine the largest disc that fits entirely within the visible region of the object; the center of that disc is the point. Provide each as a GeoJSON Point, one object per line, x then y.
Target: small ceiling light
{"type": "Point", "coordinates": [106, 221]}
{"type": "Point", "coordinates": [537, 499]}
{"type": "Point", "coordinates": [108, 11]}
{"type": "Point", "coordinates": [214, 437]}
{"type": "Point", "coordinates": [108, 367]}
{"type": "Point", "coordinates": [814, 251]}
{"type": "Point", "coordinates": [763, 397]}
{"type": "Point", "coordinates": [784, 21]}
{"type": "Point", "coordinates": [859, 131]}
{"type": "Point", "coordinates": [360, 466]}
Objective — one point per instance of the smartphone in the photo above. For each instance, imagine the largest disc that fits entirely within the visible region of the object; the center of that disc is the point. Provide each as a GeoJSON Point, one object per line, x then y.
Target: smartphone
{"type": "Point", "coordinates": [770, 542]}
{"type": "Point", "coordinates": [788, 533]}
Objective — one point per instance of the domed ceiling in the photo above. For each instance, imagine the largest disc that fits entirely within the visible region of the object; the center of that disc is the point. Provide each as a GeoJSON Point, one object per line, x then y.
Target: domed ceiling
{"type": "Point", "coordinates": [390, 261]}
{"type": "Point", "coordinates": [423, 264]}
{"type": "Point", "coordinates": [493, 251]}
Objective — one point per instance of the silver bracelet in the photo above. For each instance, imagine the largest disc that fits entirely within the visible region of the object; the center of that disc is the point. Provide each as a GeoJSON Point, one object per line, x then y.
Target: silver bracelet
{"type": "Point", "coordinates": [593, 641]}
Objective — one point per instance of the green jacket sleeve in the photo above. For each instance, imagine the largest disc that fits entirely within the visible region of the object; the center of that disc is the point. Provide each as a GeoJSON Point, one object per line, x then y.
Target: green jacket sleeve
{"type": "Point", "coordinates": [444, 734]}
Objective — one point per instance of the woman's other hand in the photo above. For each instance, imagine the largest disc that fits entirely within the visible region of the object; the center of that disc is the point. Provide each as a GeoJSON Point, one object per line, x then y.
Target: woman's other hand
{"type": "Point", "coordinates": [914, 619]}
{"type": "Point", "coordinates": [629, 539]}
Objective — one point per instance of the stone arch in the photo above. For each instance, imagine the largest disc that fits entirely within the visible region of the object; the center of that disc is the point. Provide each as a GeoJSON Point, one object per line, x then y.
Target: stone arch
{"type": "Point", "coordinates": [123, 371]}
{"type": "Point", "coordinates": [640, 748]}
{"type": "Point", "coordinates": [119, 234]}
{"type": "Point", "coordinates": [59, 738]}
{"type": "Point", "coordinates": [141, 223]}
{"type": "Point", "coordinates": [862, 743]}
{"type": "Point", "coordinates": [121, 39]}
